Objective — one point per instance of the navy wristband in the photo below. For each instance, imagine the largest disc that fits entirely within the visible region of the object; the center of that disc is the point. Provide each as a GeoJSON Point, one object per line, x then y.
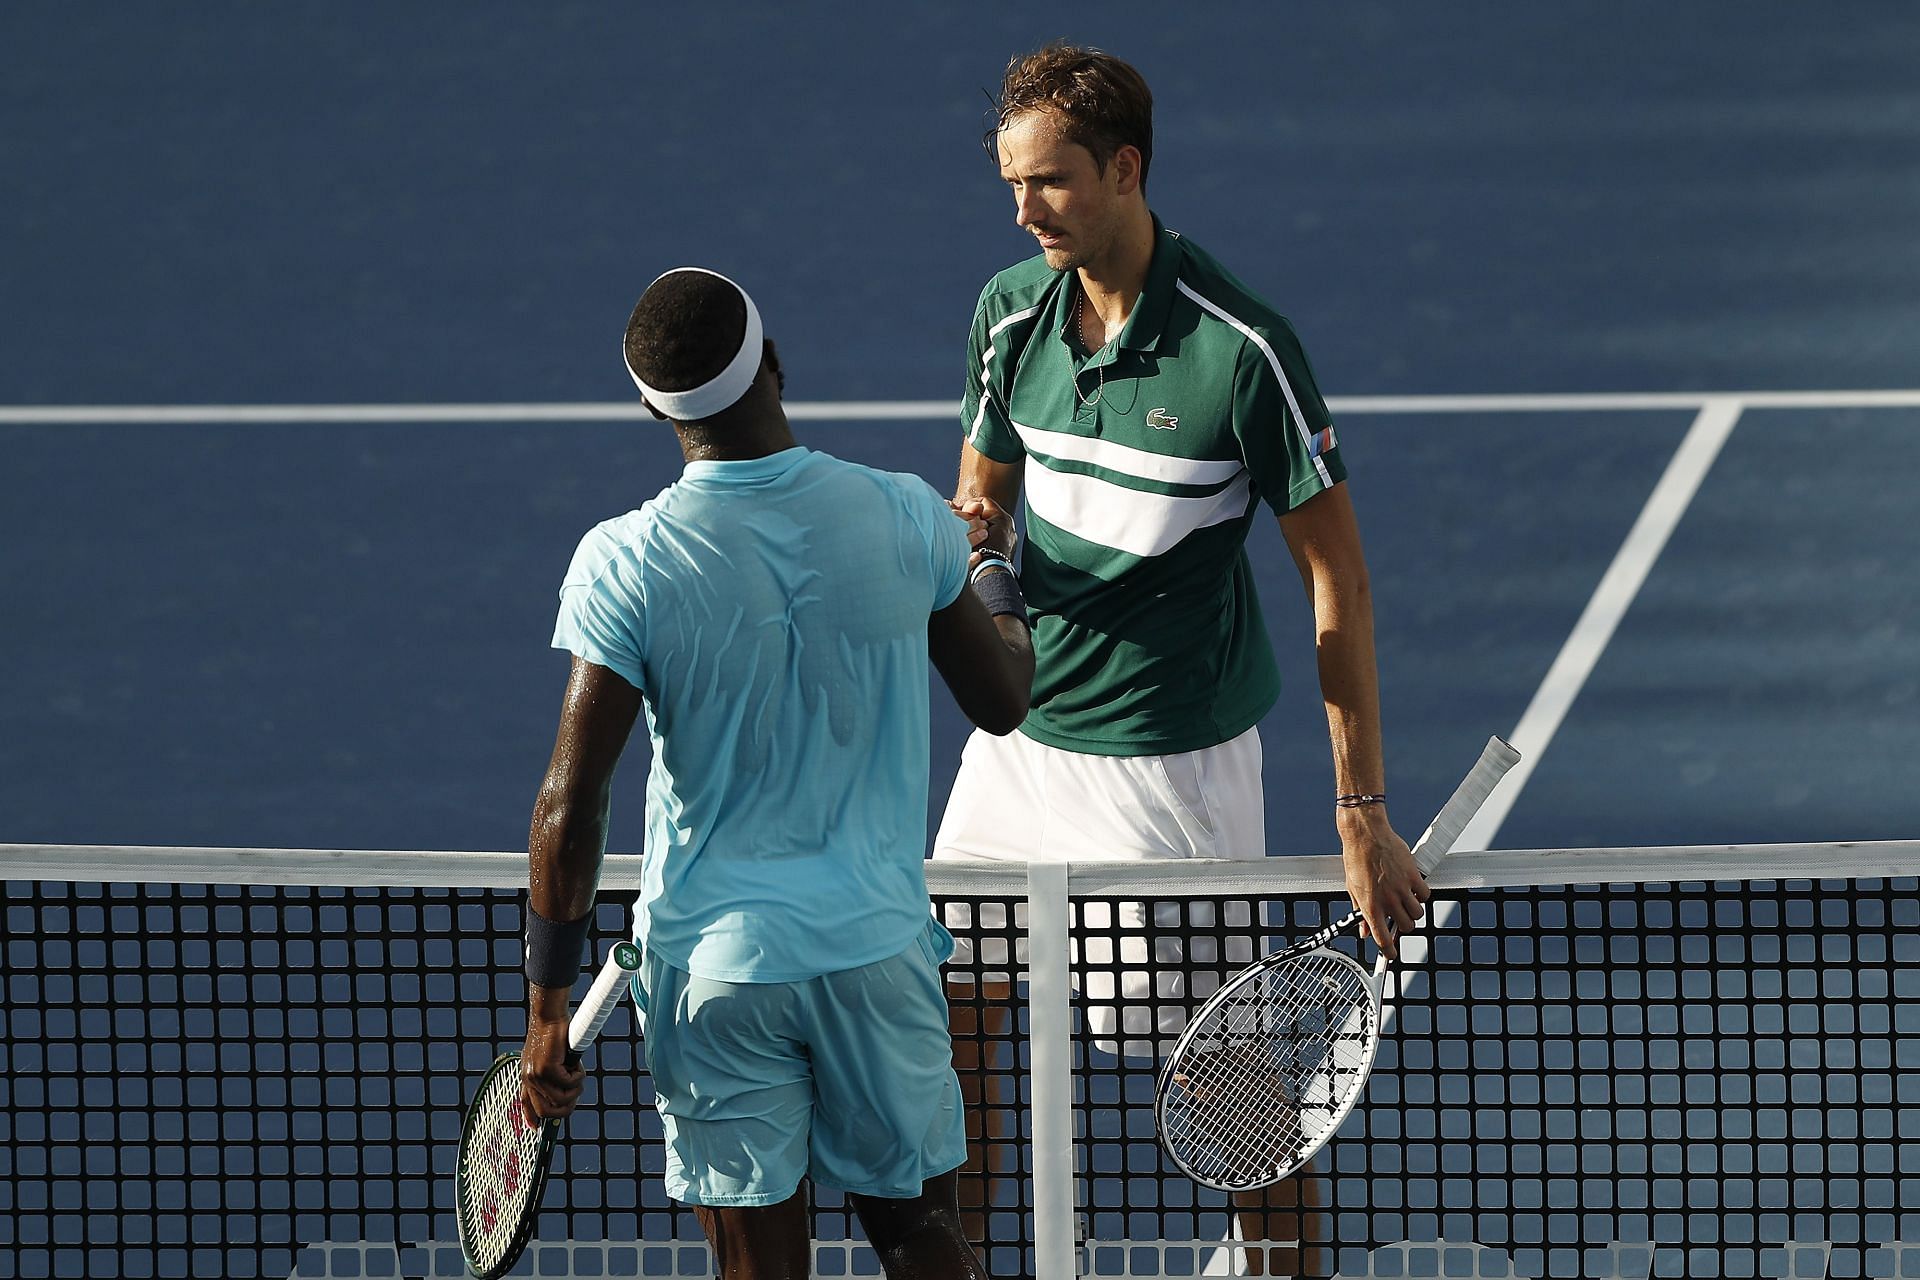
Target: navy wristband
{"type": "Point", "coordinates": [553, 948]}
{"type": "Point", "coordinates": [1000, 592]}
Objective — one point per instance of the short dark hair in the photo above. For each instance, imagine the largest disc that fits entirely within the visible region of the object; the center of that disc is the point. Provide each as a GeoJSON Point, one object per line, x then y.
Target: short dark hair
{"type": "Point", "coordinates": [685, 329]}
{"type": "Point", "coordinates": [1102, 102]}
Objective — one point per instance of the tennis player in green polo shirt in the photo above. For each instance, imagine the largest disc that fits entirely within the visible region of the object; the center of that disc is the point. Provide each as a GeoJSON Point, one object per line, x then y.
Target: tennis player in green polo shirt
{"type": "Point", "coordinates": [1149, 403]}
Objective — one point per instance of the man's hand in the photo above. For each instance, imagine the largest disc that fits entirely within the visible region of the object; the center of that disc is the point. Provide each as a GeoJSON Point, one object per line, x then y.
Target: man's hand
{"type": "Point", "coordinates": [988, 526]}
{"type": "Point", "coordinates": [549, 1086]}
{"type": "Point", "coordinates": [1386, 887]}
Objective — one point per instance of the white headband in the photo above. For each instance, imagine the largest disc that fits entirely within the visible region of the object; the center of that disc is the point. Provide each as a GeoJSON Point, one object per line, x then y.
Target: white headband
{"type": "Point", "coordinates": [725, 387]}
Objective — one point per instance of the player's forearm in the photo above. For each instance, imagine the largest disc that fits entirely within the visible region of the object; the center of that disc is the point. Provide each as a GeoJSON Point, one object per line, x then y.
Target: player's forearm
{"type": "Point", "coordinates": [1017, 647]}
{"type": "Point", "coordinates": [1349, 681]}
{"type": "Point", "coordinates": [986, 661]}
{"type": "Point", "coordinates": [549, 1004]}
{"type": "Point", "coordinates": [569, 834]}
{"type": "Point", "coordinates": [565, 847]}
{"type": "Point", "coordinates": [1324, 539]}
{"type": "Point", "coordinates": [564, 850]}
{"type": "Point", "coordinates": [982, 477]}
{"type": "Point", "coordinates": [1000, 698]}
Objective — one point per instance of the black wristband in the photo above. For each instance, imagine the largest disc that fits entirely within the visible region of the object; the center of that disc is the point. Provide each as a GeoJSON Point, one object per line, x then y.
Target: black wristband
{"type": "Point", "coordinates": [553, 948]}
{"type": "Point", "coordinates": [1000, 592]}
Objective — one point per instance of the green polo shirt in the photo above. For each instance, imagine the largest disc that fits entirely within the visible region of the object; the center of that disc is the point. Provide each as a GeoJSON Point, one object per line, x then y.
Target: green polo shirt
{"type": "Point", "coordinates": [1145, 464]}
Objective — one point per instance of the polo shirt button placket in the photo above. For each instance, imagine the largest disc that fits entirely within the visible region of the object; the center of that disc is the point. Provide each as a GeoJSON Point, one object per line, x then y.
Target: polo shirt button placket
{"type": "Point", "coordinates": [1082, 410]}
{"type": "Point", "coordinates": [1086, 404]}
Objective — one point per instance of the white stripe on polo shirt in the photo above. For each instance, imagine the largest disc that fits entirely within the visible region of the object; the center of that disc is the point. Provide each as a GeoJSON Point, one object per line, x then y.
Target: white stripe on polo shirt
{"type": "Point", "coordinates": [986, 361]}
{"type": "Point", "coordinates": [1112, 515]}
{"type": "Point", "coordinates": [1126, 459]}
{"type": "Point", "coordinates": [1299, 421]}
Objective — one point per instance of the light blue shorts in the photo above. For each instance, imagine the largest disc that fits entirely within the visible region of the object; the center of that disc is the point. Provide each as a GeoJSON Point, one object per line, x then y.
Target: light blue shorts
{"type": "Point", "coordinates": [846, 1078]}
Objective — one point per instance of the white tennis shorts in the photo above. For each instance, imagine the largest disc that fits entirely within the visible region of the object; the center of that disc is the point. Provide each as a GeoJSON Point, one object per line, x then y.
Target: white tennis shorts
{"type": "Point", "coordinates": [1017, 800]}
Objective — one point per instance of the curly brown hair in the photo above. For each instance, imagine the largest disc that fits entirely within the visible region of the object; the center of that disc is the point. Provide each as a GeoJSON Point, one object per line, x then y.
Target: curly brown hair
{"type": "Point", "coordinates": [1102, 102]}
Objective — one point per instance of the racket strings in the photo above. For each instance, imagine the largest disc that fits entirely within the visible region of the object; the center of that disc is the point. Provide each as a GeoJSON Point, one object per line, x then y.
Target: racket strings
{"type": "Point", "coordinates": [1270, 1071]}
{"type": "Point", "coordinates": [498, 1166]}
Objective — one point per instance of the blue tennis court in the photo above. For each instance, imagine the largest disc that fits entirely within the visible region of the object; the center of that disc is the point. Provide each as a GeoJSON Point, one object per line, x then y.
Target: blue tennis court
{"type": "Point", "coordinates": [310, 386]}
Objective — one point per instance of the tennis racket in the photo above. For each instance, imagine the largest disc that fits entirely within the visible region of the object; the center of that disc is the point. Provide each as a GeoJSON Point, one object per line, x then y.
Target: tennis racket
{"type": "Point", "coordinates": [1274, 1061]}
{"type": "Point", "coordinates": [505, 1149]}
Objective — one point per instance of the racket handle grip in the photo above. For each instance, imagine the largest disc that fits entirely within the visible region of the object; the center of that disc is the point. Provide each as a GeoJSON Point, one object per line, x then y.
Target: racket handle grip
{"type": "Point", "coordinates": [592, 1015]}
{"type": "Point", "coordinates": [1495, 759]}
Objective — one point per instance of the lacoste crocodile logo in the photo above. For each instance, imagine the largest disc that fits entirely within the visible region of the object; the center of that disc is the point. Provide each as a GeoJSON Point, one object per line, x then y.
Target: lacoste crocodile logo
{"type": "Point", "coordinates": [1161, 420]}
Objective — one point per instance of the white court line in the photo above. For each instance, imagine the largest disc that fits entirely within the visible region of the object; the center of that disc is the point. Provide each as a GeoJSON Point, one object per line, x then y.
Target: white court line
{"type": "Point", "coordinates": [1611, 599]}
{"type": "Point", "coordinates": [903, 410]}
{"type": "Point", "coordinates": [1577, 657]}
{"type": "Point", "coordinates": [556, 411]}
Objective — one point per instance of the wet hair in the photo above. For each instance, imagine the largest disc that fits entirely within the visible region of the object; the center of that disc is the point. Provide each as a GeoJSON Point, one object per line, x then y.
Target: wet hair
{"type": "Point", "coordinates": [1102, 103]}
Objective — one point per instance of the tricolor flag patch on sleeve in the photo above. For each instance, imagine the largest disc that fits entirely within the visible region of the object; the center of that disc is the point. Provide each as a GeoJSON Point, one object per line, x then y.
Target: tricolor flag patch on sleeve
{"type": "Point", "coordinates": [1319, 442]}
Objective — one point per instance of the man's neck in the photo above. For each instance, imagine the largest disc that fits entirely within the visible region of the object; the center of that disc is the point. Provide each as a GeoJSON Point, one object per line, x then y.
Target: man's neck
{"type": "Point", "coordinates": [735, 442]}
{"type": "Point", "coordinates": [1114, 282]}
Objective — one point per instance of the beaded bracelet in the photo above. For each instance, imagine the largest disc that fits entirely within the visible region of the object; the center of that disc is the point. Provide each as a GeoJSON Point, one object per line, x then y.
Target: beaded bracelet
{"type": "Point", "coordinates": [989, 559]}
{"type": "Point", "coordinates": [1354, 800]}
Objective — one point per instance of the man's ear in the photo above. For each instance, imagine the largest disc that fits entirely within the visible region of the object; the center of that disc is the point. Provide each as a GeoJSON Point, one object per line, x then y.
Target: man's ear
{"type": "Point", "coordinates": [773, 363]}
{"type": "Point", "coordinates": [1126, 169]}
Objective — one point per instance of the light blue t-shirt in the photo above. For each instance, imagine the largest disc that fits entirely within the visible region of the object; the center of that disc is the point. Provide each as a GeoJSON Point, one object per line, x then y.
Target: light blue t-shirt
{"type": "Point", "coordinates": [774, 613]}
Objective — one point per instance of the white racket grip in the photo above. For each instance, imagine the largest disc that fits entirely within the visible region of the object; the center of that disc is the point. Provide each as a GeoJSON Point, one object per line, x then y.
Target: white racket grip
{"type": "Point", "coordinates": [1458, 811]}
{"type": "Point", "coordinates": [589, 1019]}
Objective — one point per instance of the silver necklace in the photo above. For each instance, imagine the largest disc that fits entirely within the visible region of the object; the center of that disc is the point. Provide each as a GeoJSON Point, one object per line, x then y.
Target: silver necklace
{"type": "Point", "coordinates": [1079, 310]}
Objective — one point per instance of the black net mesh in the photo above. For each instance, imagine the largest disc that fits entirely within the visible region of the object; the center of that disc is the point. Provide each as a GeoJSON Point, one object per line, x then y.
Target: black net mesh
{"type": "Point", "coordinates": [1679, 1080]}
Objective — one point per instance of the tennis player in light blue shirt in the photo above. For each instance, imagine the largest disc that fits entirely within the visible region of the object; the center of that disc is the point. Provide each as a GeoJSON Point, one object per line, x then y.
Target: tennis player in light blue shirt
{"type": "Point", "coordinates": [787, 806]}
{"type": "Point", "coordinates": [773, 613]}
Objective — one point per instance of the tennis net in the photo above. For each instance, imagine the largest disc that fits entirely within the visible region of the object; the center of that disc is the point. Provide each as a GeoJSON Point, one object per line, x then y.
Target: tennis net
{"type": "Point", "coordinates": [1685, 1062]}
